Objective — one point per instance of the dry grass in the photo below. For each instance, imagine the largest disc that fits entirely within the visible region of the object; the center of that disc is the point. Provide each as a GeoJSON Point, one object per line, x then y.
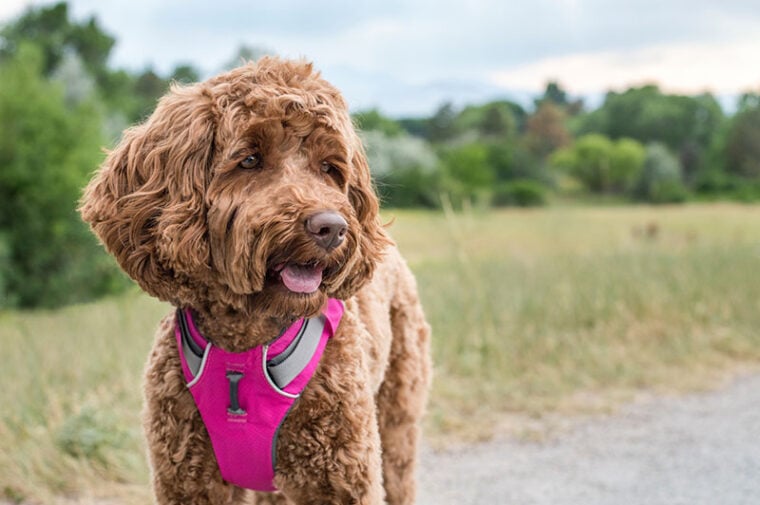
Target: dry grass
{"type": "Point", "coordinates": [572, 310]}
{"type": "Point", "coordinates": [535, 313]}
{"type": "Point", "coordinates": [70, 422]}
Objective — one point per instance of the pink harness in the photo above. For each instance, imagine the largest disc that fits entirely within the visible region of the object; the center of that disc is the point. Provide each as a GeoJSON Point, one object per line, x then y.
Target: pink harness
{"type": "Point", "coordinates": [244, 397]}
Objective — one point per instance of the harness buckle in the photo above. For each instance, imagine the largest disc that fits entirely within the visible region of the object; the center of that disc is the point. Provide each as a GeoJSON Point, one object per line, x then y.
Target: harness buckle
{"type": "Point", "coordinates": [234, 408]}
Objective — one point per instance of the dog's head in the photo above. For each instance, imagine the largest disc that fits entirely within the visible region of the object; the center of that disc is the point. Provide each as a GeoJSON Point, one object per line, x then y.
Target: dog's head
{"type": "Point", "coordinates": [250, 189]}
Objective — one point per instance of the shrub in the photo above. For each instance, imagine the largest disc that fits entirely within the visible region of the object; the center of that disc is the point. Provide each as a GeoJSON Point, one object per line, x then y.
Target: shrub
{"type": "Point", "coordinates": [660, 180]}
{"type": "Point", "coordinates": [411, 187]}
{"type": "Point", "coordinates": [405, 169]}
{"type": "Point", "coordinates": [603, 166]}
{"type": "Point", "coordinates": [467, 174]}
{"type": "Point", "coordinates": [520, 193]}
{"type": "Point", "coordinates": [511, 161]}
{"type": "Point", "coordinates": [90, 435]}
{"type": "Point", "coordinates": [47, 149]}
{"type": "Point", "coordinates": [373, 120]}
{"type": "Point", "coordinates": [742, 148]}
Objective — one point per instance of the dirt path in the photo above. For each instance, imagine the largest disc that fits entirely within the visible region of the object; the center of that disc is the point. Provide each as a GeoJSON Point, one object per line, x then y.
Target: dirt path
{"type": "Point", "coordinates": [691, 450]}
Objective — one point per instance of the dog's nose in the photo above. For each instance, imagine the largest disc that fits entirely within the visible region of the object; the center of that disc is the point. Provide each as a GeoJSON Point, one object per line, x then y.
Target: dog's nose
{"type": "Point", "coordinates": [327, 228]}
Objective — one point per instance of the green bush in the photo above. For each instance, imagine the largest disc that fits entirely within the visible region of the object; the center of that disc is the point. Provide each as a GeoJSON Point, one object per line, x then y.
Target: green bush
{"type": "Point", "coordinates": [5, 270]}
{"type": "Point", "coordinates": [372, 119]}
{"type": "Point", "coordinates": [467, 174]}
{"type": "Point", "coordinates": [748, 192]}
{"type": "Point", "coordinates": [410, 187]}
{"type": "Point", "coordinates": [742, 148]}
{"type": "Point", "coordinates": [512, 160]}
{"type": "Point", "coordinates": [714, 183]}
{"type": "Point", "coordinates": [91, 435]}
{"type": "Point", "coordinates": [668, 191]}
{"type": "Point", "coordinates": [404, 168]}
{"type": "Point", "coordinates": [660, 180]}
{"type": "Point", "coordinates": [48, 148]}
{"type": "Point", "coordinates": [520, 193]}
{"type": "Point", "coordinates": [600, 164]}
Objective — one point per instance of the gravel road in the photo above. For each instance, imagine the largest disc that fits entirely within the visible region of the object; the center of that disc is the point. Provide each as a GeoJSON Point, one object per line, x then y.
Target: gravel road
{"type": "Point", "coordinates": [691, 450]}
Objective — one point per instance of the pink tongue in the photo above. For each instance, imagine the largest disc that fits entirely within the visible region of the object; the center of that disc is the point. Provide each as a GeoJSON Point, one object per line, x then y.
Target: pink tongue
{"type": "Point", "coordinates": [301, 279]}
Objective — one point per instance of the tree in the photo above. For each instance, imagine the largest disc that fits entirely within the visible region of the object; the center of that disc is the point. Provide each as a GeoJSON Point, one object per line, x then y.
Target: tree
{"type": "Point", "coordinates": [467, 173]}
{"type": "Point", "coordinates": [602, 165]}
{"type": "Point", "coordinates": [687, 125]}
{"type": "Point", "coordinates": [61, 41]}
{"type": "Point", "coordinates": [496, 123]}
{"type": "Point", "coordinates": [373, 120]}
{"type": "Point", "coordinates": [742, 148]}
{"type": "Point", "coordinates": [148, 88]}
{"type": "Point", "coordinates": [245, 54]}
{"type": "Point", "coordinates": [185, 74]}
{"type": "Point", "coordinates": [660, 179]}
{"type": "Point", "coordinates": [499, 120]}
{"type": "Point", "coordinates": [415, 126]}
{"type": "Point", "coordinates": [626, 163]}
{"type": "Point", "coordinates": [55, 34]}
{"type": "Point", "coordinates": [405, 169]}
{"type": "Point", "coordinates": [442, 125]}
{"type": "Point", "coordinates": [520, 193]}
{"type": "Point", "coordinates": [511, 161]}
{"type": "Point", "coordinates": [47, 149]}
{"type": "Point", "coordinates": [747, 101]}
{"type": "Point", "coordinates": [556, 95]}
{"type": "Point", "coordinates": [546, 131]}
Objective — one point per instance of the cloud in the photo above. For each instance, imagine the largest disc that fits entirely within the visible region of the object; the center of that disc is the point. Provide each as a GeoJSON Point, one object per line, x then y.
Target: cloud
{"type": "Point", "coordinates": [687, 67]}
{"type": "Point", "coordinates": [418, 52]}
{"type": "Point", "coordinates": [9, 9]}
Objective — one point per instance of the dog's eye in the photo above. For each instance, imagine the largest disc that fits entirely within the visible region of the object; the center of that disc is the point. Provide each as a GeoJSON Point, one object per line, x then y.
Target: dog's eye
{"type": "Point", "coordinates": [251, 161]}
{"type": "Point", "coordinates": [333, 172]}
{"type": "Point", "coordinates": [328, 168]}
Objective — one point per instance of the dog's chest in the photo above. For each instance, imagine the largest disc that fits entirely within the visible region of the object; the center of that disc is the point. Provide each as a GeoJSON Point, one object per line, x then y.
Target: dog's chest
{"type": "Point", "coordinates": [243, 398]}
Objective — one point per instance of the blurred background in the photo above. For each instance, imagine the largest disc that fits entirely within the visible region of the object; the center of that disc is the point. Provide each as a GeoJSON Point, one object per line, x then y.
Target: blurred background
{"type": "Point", "coordinates": [574, 182]}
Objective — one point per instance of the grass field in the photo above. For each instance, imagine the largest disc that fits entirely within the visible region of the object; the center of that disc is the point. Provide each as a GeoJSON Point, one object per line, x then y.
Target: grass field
{"type": "Point", "coordinates": [572, 310]}
{"type": "Point", "coordinates": [538, 312]}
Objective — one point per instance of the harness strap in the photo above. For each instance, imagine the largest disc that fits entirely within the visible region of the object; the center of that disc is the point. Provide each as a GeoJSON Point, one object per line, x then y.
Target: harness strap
{"type": "Point", "coordinates": [190, 348]}
{"type": "Point", "coordinates": [244, 398]}
{"type": "Point", "coordinates": [287, 365]}
{"type": "Point", "coordinates": [283, 368]}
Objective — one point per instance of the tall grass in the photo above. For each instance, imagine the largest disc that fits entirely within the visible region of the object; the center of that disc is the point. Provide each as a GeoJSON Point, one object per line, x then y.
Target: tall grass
{"type": "Point", "coordinates": [533, 311]}
{"type": "Point", "coordinates": [531, 308]}
{"type": "Point", "coordinates": [71, 399]}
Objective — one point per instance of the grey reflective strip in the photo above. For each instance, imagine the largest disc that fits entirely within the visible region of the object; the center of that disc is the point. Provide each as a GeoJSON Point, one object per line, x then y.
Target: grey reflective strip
{"type": "Point", "coordinates": [277, 435]}
{"type": "Point", "coordinates": [190, 348]}
{"type": "Point", "coordinates": [283, 371]}
{"type": "Point", "coordinates": [290, 348]}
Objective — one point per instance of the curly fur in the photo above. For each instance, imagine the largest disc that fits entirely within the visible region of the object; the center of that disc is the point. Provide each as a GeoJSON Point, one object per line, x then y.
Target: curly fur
{"type": "Point", "coordinates": [193, 227]}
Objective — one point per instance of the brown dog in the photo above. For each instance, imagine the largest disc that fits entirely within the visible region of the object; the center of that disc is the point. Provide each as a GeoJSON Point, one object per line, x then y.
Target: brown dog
{"type": "Point", "coordinates": [247, 199]}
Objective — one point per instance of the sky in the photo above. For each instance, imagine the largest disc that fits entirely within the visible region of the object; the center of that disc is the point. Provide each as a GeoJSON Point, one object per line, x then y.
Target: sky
{"type": "Point", "coordinates": [407, 57]}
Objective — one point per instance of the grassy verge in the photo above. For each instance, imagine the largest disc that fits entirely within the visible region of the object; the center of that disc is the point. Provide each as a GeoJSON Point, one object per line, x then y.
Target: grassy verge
{"type": "Point", "coordinates": [71, 397]}
{"type": "Point", "coordinates": [572, 309]}
{"type": "Point", "coordinates": [533, 312]}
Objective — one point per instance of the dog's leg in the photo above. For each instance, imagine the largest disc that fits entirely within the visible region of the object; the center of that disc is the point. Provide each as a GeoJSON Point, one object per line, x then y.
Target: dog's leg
{"type": "Point", "coordinates": [328, 451]}
{"type": "Point", "coordinates": [184, 468]}
{"type": "Point", "coordinates": [270, 499]}
{"type": "Point", "coordinates": [403, 394]}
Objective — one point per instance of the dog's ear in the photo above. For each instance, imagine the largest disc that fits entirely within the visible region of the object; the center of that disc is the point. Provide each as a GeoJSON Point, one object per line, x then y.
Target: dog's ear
{"type": "Point", "coordinates": [146, 202]}
{"type": "Point", "coordinates": [373, 240]}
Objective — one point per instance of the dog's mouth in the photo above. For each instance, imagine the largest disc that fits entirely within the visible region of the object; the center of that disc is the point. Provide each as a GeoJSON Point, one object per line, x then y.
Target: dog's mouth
{"type": "Point", "coordinates": [302, 278]}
